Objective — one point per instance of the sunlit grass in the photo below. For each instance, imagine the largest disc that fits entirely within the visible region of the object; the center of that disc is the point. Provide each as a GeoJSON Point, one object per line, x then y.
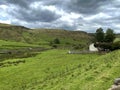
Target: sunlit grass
{"type": "Point", "coordinates": [57, 70]}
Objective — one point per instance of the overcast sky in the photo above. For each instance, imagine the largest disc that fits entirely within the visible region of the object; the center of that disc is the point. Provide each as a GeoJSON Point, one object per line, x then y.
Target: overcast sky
{"type": "Point", "coordinates": [85, 15]}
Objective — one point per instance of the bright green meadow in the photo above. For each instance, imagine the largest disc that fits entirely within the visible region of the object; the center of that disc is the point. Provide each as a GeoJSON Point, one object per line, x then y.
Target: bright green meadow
{"type": "Point", "coordinates": [30, 59]}
{"type": "Point", "coordinates": [58, 70]}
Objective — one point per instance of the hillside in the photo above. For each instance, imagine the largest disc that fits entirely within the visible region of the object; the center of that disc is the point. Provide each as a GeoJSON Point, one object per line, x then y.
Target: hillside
{"type": "Point", "coordinates": [57, 70]}
{"type": "Point", "coordinates": [44, 37]}
{"type": "Point", "coordinates": [12, 32]}
{"type": "Point", "coordinates": [30, 60]}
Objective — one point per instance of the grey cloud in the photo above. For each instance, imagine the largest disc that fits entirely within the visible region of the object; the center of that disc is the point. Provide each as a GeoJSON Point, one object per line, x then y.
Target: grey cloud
{"type": "Point", "coordinates": [34, 15]}
{"type": "Point", "coordinates": [67, 27]}
{"type": "Point", "coordinates": [2, 2]}
{"type": "Point", "coordinates": [79, 6]}
{"type": "Point", "coordinates": [41, 18]}
{"type": "Point", "coordinates": [86, 6]}
{"type": "Point", "coordinates": [57, 3]}
{"type": "Point", "coordinates": [21, 3]}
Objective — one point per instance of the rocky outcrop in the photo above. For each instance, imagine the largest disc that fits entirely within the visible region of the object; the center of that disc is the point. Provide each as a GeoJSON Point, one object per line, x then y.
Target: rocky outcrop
{"type": "Point", "coordinates": [116, 85]}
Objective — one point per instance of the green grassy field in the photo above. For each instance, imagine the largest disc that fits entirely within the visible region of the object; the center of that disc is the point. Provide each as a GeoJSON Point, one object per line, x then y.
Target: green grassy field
{"type": "Point", "coordinates": [13, 45]}
{"type": "Point", "coordinates": [29, 61]}
{"type": "Point", "coordinates": [12, 49]}
{"type": "Point", "coordinates": [57, 70]}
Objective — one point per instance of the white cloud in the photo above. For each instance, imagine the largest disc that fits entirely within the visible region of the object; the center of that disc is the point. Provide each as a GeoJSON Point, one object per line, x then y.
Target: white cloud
{"type": "Point", "coordinates": [36, 5]}
{"type": "Point", "coordinates": [4, 7]}
{"type": "Point", "coordinates": [69, 18]}
{"type": "Point", "coordinates": [100, 15]}
{"type": "Point", "coordinates": [51, 8]}
{"type": "Point", "coordinates": [40, 5]}
{"type": "Point", "coordinates": [4, 17]}
{"type": "Point", "coordinates": [5, 21]}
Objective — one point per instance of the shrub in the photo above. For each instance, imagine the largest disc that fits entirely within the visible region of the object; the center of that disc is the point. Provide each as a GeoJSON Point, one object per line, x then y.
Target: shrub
{"type": "Point", "coordinates": [104, 45]}
{"type": "Point", "coordinates": [116, 46]}
{"type": "Point", "coordinates": [77, 46]}
{"type": "Point", "coordinates": [56, 41]}
{"type": "Point", "coordinates": [54, 46]}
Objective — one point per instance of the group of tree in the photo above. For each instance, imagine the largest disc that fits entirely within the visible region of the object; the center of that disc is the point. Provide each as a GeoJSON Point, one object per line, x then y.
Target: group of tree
{"type": "Point", "coordinates": [105, 40]}
{"type": "Point", "coordinates": [107, 37]}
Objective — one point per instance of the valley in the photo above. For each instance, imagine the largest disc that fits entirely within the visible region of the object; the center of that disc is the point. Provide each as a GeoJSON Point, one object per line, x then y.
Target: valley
{"type": "Point", "coordinates": [38, 59]}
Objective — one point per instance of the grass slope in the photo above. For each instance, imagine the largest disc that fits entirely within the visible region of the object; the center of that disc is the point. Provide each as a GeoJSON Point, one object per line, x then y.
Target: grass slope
{"type": "Point", "coordinates": [12, 49]}
{"type": "Point", "coordinates": [57, 70]}
{"type": "Point", "coordinates": [13, 45]}
{"type": "Point", "coordinates": [43, 37]}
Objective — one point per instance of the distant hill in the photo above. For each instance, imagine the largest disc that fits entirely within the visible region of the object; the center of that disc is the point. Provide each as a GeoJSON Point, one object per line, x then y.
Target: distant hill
{"type": "Point", "coordinates": [44, 36]}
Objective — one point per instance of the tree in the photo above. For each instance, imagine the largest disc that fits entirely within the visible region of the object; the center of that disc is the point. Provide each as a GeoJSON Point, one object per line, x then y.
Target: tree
{"type": "Point", "coordinates": [56, 41]}
{"type": "Point", "coordinates": [99, 35]}
{"type": "Point", "coordinates": [110, 36]}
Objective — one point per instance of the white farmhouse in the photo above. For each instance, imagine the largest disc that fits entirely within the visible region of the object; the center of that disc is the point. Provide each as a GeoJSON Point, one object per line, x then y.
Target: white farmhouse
{"type": "Point", "coordinates": [92, 48]}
